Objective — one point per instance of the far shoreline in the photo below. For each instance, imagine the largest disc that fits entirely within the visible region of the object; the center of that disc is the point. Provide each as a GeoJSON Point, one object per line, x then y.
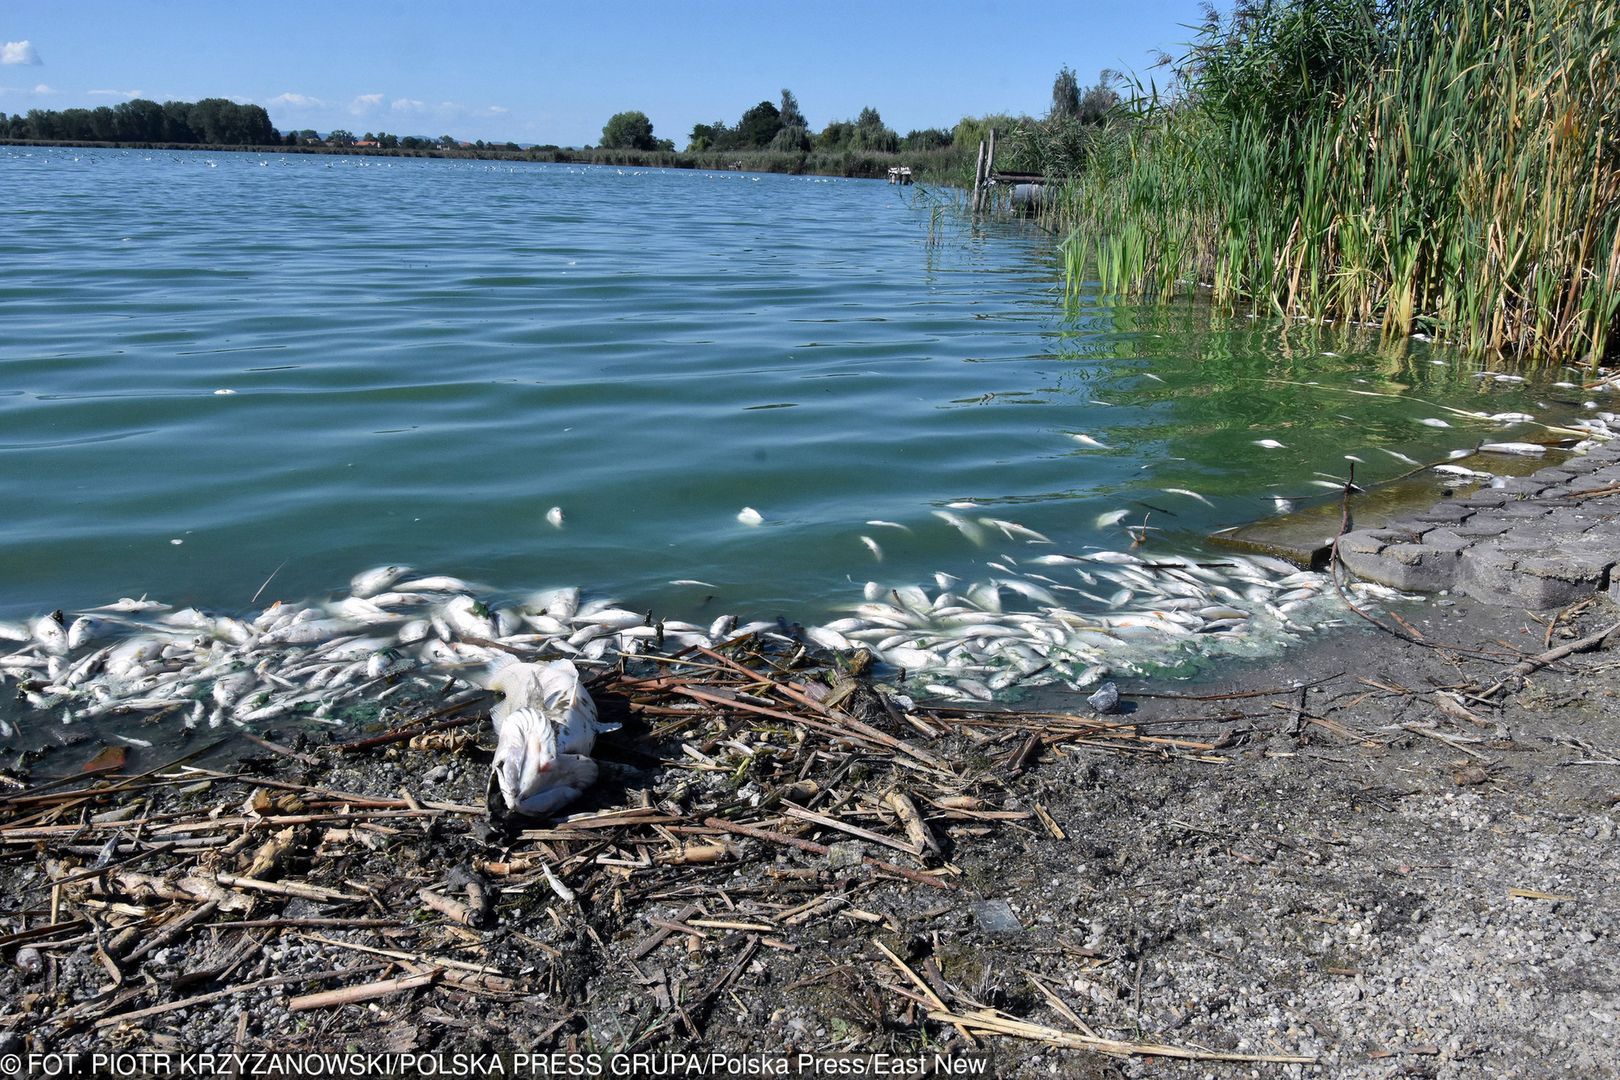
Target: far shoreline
{"type": "Point", "coordinates": [934, 166]}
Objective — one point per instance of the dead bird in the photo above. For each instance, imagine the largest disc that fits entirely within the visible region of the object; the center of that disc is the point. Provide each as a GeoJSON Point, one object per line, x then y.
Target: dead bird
{"type": "Point", "coordinates": [545, 729]}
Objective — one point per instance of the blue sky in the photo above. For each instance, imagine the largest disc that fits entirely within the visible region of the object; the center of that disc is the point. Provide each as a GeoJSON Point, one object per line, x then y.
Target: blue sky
{"type": "Point", "coordinates": [552, 72]}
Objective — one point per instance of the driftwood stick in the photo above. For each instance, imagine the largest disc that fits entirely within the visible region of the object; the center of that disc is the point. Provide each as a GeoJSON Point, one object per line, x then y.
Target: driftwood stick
{"type": "Point", "coordinates": [1535, 663]}
{"type": "Point", "coordinates": [351, 995]}
{"type": "Point", "coordinates": [231, 991]}
{"type": "Point", "coordinates": [821, 849]}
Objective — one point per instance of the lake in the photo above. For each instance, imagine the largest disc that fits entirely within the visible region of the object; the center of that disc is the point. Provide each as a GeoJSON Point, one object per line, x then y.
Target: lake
{"type": "Point", "coordinates": [218, 369]}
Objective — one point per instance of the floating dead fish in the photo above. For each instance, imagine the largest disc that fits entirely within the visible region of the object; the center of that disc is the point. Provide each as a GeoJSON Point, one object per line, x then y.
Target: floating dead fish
{"type": "Point", "coordinates": [749, 516]}
{"type": "Point", "coordinates": [872, 546]}
{"type": "Point", "coordinates": [1087, 440]}
{"type": "Point", "coordinates": [554, 516]}
{"type": "Point", "coordinates": [962, 525]}
{"type": "Point", "coordinates": [1189, 494]}
{"type": "Point", "coordinates": [370, 582]}
{"type": "Point", "coordinates": [1270, 444]}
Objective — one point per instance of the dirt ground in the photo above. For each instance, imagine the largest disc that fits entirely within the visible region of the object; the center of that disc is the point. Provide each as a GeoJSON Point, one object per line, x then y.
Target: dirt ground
{"type": "Point", "coordinates": [1358, 873]}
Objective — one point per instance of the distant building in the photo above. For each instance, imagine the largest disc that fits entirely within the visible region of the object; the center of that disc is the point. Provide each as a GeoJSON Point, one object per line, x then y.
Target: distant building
{"type": "Point", "coordinates": [364, 143]}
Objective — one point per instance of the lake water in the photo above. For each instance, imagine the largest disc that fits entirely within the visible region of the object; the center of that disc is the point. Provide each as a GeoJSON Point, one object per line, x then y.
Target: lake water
{"type": "Point", "coordinates": [319, 364]}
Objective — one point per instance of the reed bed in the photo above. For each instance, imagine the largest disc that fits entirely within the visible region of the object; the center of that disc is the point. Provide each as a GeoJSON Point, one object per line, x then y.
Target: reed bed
{"type": "Point", "coordinates": [1453, 171]}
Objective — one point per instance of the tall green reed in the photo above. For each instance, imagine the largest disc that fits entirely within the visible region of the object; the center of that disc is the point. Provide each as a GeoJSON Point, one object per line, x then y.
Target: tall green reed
{"type": "Point", "coordinates": [1452, 168]}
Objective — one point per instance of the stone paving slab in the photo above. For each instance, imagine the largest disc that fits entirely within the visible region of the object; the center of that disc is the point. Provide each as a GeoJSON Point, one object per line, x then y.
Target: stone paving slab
{"type": "Point", "coordinates": [1536, 541]}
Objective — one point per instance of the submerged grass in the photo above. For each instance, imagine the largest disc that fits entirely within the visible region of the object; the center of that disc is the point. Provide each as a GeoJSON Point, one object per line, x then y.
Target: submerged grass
{"type": "Point", "coordinates": [1450, 167]}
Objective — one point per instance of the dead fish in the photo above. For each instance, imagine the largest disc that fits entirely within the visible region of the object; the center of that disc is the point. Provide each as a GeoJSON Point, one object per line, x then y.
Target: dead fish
{"type": "Point", "coordinates": [1189, 494]}
{"type": "Point", "coordinates": [962, 525]}
{"type": "Point", "coordinates": [1270, 444]}
{"type": "Point", "coordinates": [1112, 517]}
{"type": "Point", "coordinates": [1012, 530]}
{"type": "Point", "coordinates": [84, 629]}
{"type": "Point", "coordinates": [749, 516]}
{"type": "Point", "coordinates": [1434, 422]}
{"type": "Point", "coordinates": [1399, 456]}
{"type": "Point", "coordinates": [872, 546]}
{"type": "Point", "coordinates": [50, 634]}
{"type": "Point", "coordinates": [370, 582]}
{"type": "Point", "coordinates": [554, 517]}
{"type": "Point", "coordinates": [888, 524]}
{"type": "Point", "coordinates": [128, 606]}
{"type": "Point", "coordinates": [1087, 440]}
{"type": "Point", "coordinates": [439, 584]}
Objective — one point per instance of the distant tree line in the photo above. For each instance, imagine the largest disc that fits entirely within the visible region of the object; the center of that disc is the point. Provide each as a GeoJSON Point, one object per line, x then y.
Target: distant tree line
{"type": "Point", "coordinates": [782, 127]}
{"type": "Point", "coordinates": [1056, 144]}
{"type": "Point", "coordinates": [218, 121]}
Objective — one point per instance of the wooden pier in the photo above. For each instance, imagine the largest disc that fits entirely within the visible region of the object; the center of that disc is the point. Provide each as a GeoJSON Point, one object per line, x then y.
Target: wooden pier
{"type": "Point", "coordinates": [1028, 190]}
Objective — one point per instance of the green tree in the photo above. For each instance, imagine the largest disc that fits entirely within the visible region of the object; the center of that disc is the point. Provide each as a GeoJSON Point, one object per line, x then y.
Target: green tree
{"type": "Point", "coordinates": [628, 131]}
{"type": "Point", "coordinates": [1065, 95]}
{"type": "Point", "coordinates": [759, 126]}
{"type": "Point", "coordinates": [340, 137]}
{"type": "Point", "coordinates": [790, 115]}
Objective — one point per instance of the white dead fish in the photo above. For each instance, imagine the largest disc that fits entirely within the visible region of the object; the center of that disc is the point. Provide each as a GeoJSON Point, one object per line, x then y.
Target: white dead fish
{"type": "Point", "coordinates": [470, 617]}
{"type": "Point", "coordinates": [1087, 440]}
{"type": "Point", "coordinates": [1434, 422]}
{"type": "Point", "coordinates": [84, 629]}
{"type": "Point", "coordinates": [1400, 457]}
{"type": "Point", "coordinates": [749, 516]}
{"type": "Point", "coordinates": [962, 525]}
{"type": "Point", "coordinates": [1112, 517]}
{"type": "Point", "coordinates": [1522, 448]}
{"type": "Point", "coordinates": [555, 517]}
{"type": "Point", "coordinates": [872, 546]}
{"type": "Point", "coordinates": [889, 525]}
{"type": "Point", "coordinates": [1014, 531]}
{"type": "Point", "coordinates": [51, 635]}
{"type": "Point", "coordinates": [1270, 444]}
{"type": "Point", "coordinates": [128, 606]}
{"type": "Point", "coordinates": [1189, 494]}
{"type": "Point", "coordinates": [439, 583]}
{"type": "Point", "coordinates": [370, 582]}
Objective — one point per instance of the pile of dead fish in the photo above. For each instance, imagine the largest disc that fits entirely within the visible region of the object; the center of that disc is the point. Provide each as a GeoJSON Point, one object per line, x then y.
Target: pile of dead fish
{"type": "Point", "coordinates": [431, 638]}
{"type": "Point", "coordinates": [391, 636]}
{"type": "Point", "coordinates": [1081, 617]}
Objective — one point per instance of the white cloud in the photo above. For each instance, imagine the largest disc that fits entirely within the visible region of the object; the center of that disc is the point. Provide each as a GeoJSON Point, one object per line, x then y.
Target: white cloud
{"type": "Point", "coordinates": [297, 101]}
{"type": "Point", "coordinates": [406, 104]}
{"type": "Point", "coordinates": [365, 103]}
{"type": "Point", "coordinates": [496, 110]}
{"type": "Point", "coordinates": [19, 52]}
{"type": "Point", "coordinates": [114, 93]}
{"type": "Point", "coordinates": [41, 88]}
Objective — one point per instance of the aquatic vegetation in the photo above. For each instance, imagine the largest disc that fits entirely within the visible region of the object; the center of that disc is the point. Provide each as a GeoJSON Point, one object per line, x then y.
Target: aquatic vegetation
{"type": "Point", "coordinates": [1447, 168]}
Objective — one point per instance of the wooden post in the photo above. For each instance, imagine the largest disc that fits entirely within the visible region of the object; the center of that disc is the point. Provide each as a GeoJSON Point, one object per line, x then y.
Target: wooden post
{"type": "Point", "coordinates": [978, 176]}
{"type": "Point", "coordinates": [989, 166]}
